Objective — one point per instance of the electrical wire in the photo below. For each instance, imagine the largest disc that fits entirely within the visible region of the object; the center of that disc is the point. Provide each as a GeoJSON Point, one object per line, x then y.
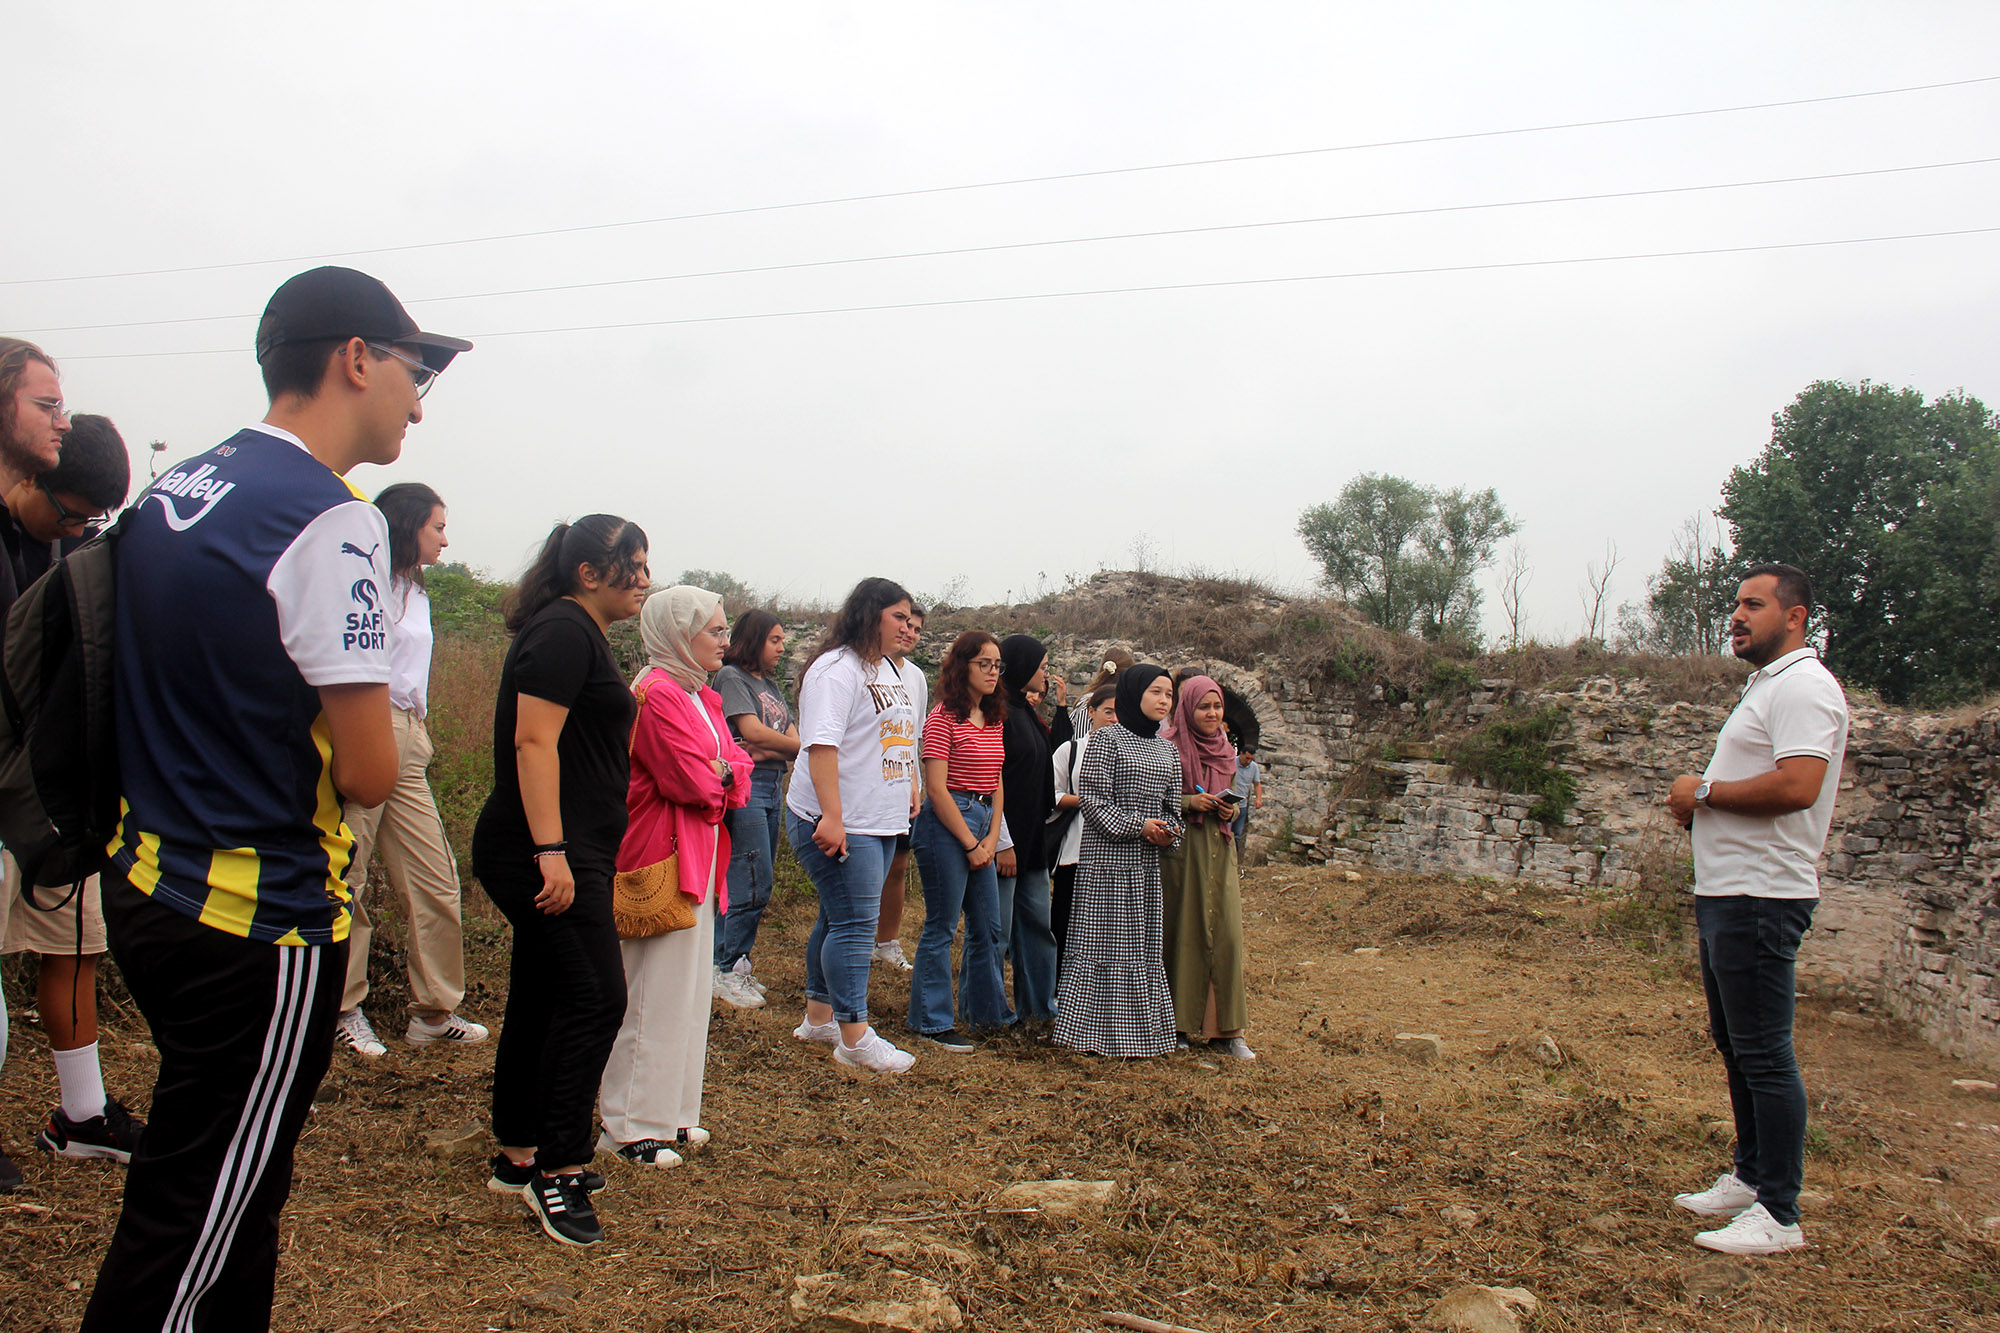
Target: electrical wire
{"type": "Point", "coordinates": [1462, 137]}
{"type": "Point", "coordinates": [1127, 291]}
{"type": "Point", "coordinates": [1082, 240]}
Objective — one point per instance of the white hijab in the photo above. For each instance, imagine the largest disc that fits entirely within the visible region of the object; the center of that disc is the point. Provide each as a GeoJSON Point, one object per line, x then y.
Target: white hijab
{"type": "Point", "coordinates": [668, 623]}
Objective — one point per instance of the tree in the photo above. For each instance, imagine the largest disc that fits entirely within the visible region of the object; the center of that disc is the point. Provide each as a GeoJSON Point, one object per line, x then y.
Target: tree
{"type": "Point", "coordinates": [1406, 555]}
{"type": "Point", "coordinates": [1596, 587]}
{"type": "Point", "coordinates": [1889, 504]}
{"type": "Point", "coordinates": [1687, 606]}
{"type": "Point", "coordinates": [1515, 576]}
{"type": "Point", "coordinates": [734, 592]}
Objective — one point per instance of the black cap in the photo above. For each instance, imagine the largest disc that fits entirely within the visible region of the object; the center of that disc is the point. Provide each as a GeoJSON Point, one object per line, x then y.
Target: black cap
{"type": "Point", "coordinates": [333, 302]}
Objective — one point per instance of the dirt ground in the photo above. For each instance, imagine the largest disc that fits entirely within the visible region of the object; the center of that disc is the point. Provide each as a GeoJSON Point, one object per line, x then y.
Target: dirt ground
{"type": "Point", "coordinates": [1306, 1191]}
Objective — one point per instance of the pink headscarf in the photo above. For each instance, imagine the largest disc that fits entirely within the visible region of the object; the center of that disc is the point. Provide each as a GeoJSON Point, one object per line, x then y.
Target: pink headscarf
{"type": "Point", "coordinates": [1209, 761]}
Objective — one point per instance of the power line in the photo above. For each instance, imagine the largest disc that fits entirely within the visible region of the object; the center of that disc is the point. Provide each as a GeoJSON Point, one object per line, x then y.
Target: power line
{"type": "Point", "coordinates": [1462, 137]}
{"type": "Point", "coordinates": [1127, 291]}
{"type": "Point", "coordinates": [1082, 240]}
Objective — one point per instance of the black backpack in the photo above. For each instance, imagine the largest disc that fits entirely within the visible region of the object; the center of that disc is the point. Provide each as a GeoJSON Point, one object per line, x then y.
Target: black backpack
{"type": "Point", "coordinates": [58, 756]}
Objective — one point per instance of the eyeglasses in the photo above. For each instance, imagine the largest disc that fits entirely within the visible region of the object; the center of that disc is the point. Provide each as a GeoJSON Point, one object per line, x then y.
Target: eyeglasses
{"type": "Point", "coordinates": [55, 407]}
{"type": "Point", "coordinates": [986, 663]}
{"type": "Point", "coordinates": [82, 523]}
{"type": "Point", "coordinates": [720, 633]}
{"type": "Point", "coordinates": [421, 375]}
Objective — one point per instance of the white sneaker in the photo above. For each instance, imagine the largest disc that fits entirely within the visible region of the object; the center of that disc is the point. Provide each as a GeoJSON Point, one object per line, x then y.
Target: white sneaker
{"type": "Point", "coordinates": [872, 1052]}
{"type": "Point", "coordinates": [891, 954]}
{"type": "Point", "coordinates": [1727, 1197]}
{"type": "Point", "coordinates": [1233, 1046]}
{"type": "Point", "coordinates": [1753, 1232]}
{"type": "Point", "coordinates": [456, 1029]}
{"type": "Point", "coordinates": [734, 990]}
{"type": "Point", "coordinates": [742, 969]}
{"type": "Point", "coordinates": [691, 1137]}
{"type": "Point", "coordinates": [811, 1031]}
{"type": "Point", "coordinates": [351, 1030]}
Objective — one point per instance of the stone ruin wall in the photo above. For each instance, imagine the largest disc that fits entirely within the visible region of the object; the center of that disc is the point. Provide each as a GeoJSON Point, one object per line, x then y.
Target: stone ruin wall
{"type": "Point", "coordinates": [1909, 922]}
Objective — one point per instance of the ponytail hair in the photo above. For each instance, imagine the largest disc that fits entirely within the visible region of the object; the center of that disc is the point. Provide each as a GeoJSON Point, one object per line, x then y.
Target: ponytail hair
{"type": "Point", "coordinates": [1115, 662]}
{"type": "Point", "coordinates": [608, 544]}
{"type": "Point", "coordinates": [407, 505]}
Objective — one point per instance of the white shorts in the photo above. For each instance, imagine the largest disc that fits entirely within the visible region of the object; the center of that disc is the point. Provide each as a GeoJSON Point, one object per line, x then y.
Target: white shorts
{"type": "Point", "coordinates": [26, 929]}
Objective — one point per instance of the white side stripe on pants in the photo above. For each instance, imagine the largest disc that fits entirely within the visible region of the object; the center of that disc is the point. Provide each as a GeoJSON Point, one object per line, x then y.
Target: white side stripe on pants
{"type": "Point", "coordinates": [250, 1147]}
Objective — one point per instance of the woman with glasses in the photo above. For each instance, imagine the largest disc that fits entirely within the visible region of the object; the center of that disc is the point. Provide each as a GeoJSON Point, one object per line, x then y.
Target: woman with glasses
{"type": "Point", "coordinates": [956, 838]}
{"type": "Point", "coordinates": [1113, 998]}
{"type": "Point", "coordinates": [688, 772]}
{"type": "Point", "coordinates": [844, 808]}
{"type": "Point", "coordinates": [761, 720]}
{"type": "Point", "coordinates": [546, 849]}
{"type": "Point", "coordinates": [407, 828]}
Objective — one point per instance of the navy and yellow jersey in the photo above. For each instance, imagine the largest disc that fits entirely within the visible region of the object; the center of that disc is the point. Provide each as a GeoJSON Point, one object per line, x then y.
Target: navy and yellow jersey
{"type": "Point", "coordinates": [248, 577]}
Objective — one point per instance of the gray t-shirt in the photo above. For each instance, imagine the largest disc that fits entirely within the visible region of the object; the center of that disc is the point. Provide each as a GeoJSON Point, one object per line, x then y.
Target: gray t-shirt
{"type": "Point", "coordinates": [744, 693]}
{"type": "Point", "coordinates": [1247, 777]}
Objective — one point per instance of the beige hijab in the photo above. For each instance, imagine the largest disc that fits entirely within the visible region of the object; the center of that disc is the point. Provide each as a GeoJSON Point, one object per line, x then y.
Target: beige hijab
{"type": "Point", "coordinates": [667, 625]}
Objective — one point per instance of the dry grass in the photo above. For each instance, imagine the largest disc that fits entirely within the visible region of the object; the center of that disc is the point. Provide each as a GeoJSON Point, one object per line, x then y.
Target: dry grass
{"type": "Point", "coordinates": [1303, 1192]}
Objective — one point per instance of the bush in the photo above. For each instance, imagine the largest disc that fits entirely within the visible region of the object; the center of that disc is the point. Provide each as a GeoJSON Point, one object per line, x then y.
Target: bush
{"type": "Point", "coordinates": [1514, 751]}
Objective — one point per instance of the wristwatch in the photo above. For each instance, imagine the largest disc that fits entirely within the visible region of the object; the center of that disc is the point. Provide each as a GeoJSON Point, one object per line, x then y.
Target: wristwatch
{"type": "Point", "coordinates": [729, 774]}
{"type": "Point", "coordinates": [1701, 792]}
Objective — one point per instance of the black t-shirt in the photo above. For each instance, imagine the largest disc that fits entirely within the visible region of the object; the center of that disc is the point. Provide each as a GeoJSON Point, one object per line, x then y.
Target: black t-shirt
{"type": "Point", "coordinates": [562, 656]}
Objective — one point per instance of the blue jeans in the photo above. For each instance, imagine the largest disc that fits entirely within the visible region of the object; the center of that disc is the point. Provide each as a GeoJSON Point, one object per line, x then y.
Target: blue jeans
{"type": "Point", "coordinates": [850, 898]}
{"type": "Point", "coordinates": [753, 843]}
{"type": "Point", "coordinates": [1749, 952]}
{"type": "Point", "coordinates": [1030, 939]}
{"type": "Point", "coordinates": [952, 887]}
{"type": "Point", "coordinates": [1242, 825]}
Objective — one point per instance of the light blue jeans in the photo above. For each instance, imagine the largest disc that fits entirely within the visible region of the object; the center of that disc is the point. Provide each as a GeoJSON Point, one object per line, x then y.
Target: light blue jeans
{"type": "Point", "coordinates": [951, 889]}
{"type": "Point", "coordinates": [753, 845]}
{"type": "Point", "coordinates": [850, 898]}
{"type": "Point", "coordinates": [1030, 941]}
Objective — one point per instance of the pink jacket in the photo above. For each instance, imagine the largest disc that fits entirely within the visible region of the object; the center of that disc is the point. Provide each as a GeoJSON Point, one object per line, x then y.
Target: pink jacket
{"type": "Point", "coordinates": [676, 798]}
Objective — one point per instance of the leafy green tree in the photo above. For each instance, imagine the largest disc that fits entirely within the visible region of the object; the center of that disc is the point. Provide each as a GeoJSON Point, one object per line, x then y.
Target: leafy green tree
{"type": "Point", "coordinates": [1687, 605]}
{"type": "Point", "coordinates": [735, 593]}
{"type": "Point", "coordinates": [463, 601]}
{"type": "Point", "coordinates": [1407, 555]}
{"type": "Point", "coordinates": [1889, 504]}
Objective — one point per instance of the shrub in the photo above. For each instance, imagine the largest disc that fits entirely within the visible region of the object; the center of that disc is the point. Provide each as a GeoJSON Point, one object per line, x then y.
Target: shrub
{"type": "Point", "coordinates": [1514, 751]}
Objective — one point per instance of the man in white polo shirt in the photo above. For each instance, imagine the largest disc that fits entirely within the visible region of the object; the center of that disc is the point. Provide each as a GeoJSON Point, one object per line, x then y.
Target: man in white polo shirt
{"type": "Point", "coordinates": [1760, 813]}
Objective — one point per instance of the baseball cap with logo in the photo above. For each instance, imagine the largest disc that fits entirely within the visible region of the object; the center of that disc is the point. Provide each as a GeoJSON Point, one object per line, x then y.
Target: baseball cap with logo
{"type": "Point", "coordinates": [333, 302]}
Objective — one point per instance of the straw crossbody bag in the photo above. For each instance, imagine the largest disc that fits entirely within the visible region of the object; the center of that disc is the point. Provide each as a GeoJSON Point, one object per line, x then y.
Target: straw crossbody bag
{"type": "Point", "coordinates": [648, 901]}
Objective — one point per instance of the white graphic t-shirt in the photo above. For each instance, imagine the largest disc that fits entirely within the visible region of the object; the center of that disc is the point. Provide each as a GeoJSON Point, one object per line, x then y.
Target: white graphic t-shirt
{"type": "Point", "coordinates": [868, 715]}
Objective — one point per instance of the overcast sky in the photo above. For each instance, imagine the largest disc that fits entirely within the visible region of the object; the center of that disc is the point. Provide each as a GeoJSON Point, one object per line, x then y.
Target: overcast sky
{"type": "Point", "coordinates": [1016, 440]}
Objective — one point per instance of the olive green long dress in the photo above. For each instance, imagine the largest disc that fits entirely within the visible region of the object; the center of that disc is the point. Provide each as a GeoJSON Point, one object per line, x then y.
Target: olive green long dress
{"type": "Point", "coordinates": [1204, 927]}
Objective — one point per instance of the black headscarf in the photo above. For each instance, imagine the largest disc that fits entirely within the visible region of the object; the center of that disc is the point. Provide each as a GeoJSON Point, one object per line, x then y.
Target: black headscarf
{"type": "Point", "coordinates": [1021, 656]}
{"type": "Point", "coordinates": [1131, 686]}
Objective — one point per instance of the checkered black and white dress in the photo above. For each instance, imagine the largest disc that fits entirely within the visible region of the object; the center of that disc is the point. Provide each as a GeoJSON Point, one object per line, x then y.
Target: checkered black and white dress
{"type": "Point", "coordinates": [1113, 998]}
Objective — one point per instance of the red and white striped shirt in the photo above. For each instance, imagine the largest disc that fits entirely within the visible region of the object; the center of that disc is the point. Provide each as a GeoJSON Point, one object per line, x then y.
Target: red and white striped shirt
{"type": "Point", "coordinates": [972, 755]}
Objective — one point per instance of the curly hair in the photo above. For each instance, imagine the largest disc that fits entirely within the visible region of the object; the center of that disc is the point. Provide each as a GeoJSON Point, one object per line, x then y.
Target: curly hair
{"type": "Point", "coordinates": [954, 691]}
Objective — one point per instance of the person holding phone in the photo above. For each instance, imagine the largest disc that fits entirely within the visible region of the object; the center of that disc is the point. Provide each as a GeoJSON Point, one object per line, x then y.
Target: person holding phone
{"type": "Point", "coordinates": [1204, 901]}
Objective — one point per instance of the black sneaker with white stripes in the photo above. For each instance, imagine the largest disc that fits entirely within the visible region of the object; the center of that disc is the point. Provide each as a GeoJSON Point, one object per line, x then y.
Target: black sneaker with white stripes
{"type": "Point", "coordinates": [114, 1135]}
{"type": "Point", "coordinates": [511, 1177]}
{"type": "Point", "coordinates": [562, 1205]}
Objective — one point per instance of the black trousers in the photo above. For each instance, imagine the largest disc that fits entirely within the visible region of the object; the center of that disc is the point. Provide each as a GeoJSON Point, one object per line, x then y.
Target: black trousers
{"type": "Point", "coordinates": [245, 1033]}
{"type": "Point", "coordinates": [565, 1002]}
{"type": "Point", "coordinates": [1062, 887]}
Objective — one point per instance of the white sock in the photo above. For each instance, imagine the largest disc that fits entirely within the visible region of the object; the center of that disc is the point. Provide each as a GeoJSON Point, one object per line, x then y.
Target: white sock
{"type": "Point", "coordinates": [82, 1080]}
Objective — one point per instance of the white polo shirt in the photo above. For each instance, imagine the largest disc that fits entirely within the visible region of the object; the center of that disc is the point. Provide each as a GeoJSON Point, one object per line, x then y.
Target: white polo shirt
{"type": "Point", "coordinates": [1791, 707]}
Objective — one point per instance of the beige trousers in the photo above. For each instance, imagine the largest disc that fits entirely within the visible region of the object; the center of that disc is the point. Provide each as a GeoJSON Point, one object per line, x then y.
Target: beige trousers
{"type": "Point", "coordinates": [652, 1082]}
{"type": "Point", "coordinates": [409, 833]}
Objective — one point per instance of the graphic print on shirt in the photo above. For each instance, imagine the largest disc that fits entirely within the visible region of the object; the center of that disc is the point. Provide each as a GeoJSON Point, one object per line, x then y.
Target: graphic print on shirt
{"type": "Point", "coordinates": [898, 735]}
{"type": "Point", "coordinates": [365, 629]}
{"type": "Point", "coordinates": [773, 712]}
{"type": "Point", "coordinates": [198, 485]}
